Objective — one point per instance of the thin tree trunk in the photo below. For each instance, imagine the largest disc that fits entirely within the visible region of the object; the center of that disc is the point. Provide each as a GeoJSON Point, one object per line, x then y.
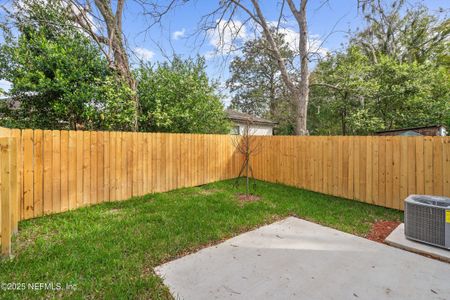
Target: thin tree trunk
{"type": "Point", "coordinates": [299, 92]}
{"type": "Point", "coordinates": [303, 97]}
{"type": "Point", "coordinates": [272, 105]}
{"type": "Point", "coordinates": [247, 159]}
{"type": "Point", "coordinates": [247, 177]}
{"type": "Point", "coordinates": [343, 123]}
{"type": "Point", "coordinates": [113, 40]}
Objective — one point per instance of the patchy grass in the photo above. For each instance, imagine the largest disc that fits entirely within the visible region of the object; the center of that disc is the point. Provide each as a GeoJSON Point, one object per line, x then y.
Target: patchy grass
{"type": "Point", "coordinates": [108, 251]}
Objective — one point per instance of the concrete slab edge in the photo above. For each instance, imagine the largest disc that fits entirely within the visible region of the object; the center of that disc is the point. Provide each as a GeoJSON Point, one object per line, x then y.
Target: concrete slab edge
{"type": "Point", "coordinates": [415, 250]}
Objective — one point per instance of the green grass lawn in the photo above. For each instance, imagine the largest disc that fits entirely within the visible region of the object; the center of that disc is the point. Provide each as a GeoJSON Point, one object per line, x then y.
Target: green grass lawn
{"type": "Point", "coordinates": [108, 251]}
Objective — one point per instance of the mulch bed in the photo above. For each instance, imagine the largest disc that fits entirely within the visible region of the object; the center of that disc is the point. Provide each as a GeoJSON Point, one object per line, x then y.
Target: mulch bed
{"type": "Point", "coordinates": [381, 229]}
{"type": "Point", "coordinates": [249, 198]}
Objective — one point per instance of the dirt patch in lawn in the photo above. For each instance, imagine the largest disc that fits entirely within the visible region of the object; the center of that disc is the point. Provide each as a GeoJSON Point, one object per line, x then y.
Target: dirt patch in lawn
{"type": "Point", "coordinates": [249, 198]}
{"type": "Point", "coordinates": [381, 229]}
{"type": "Point", "coordinates": [113, 211]}
{"type": "Point", "coordinates": [207, 192]}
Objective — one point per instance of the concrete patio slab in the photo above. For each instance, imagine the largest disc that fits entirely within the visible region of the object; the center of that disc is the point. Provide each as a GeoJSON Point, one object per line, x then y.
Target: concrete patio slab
{"type": "Point", "coordinates": [397, 239]}
{"type": "Point", "coordinates": [296, 259]}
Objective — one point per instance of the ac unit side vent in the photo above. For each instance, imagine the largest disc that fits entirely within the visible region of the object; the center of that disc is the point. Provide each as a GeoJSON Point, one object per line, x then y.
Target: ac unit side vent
{"type": "Point", "coordinates": [425, 223]}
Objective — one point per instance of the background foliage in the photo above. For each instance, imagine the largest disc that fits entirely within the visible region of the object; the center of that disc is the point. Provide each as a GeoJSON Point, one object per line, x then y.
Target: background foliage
{"type": "Point", "coordinates": [62, 80]}
{"type": "Point", "coordinates": [257, 86]}
{"type": "Point", "coordinates": [177, 96]}
{"type": "Point", "coordinates": [394, 73]}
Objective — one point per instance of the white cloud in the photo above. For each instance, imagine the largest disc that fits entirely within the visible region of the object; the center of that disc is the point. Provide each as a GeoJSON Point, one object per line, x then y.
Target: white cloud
{"type": "Point", "coordinates": [89, 21]}
{"type": "Point", "coordinates": [292, 37]}
{"type": "Point", "coordinates": [5, 85]}
{"type": "Point", "coordinates": [144, 54]}
{"type": "Point", "coordinates": [227, 35]}
{"type": "Point", "coordinates": [315, 45]}
{"type": "Point", "coordinates": [210, 54]}
{"type": "Point", "coordinates": [176, 35]}
{"type": "Point", "coordinates": [22, 7]}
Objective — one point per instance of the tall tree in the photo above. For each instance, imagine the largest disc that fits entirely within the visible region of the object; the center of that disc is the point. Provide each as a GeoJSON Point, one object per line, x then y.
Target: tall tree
{"type": "Point", "coordinates": [298, 83]}
{"type": "Point", "coordinates": [101, 20]}
{"type": "Point", "coordinates": [113, 38]}
{"type": "Point", "coordinates": [340, 87]}
{"type": "Point", "coordinates": [352, 95]}
{"type": "Point", "coordinates": [59, 78]}
{"type": "Point", "coordinates": [393, 74]}
{"type": "Point", "coordinates": [256, 84]}
{"type": "Point", "coordinates": [407, 35]}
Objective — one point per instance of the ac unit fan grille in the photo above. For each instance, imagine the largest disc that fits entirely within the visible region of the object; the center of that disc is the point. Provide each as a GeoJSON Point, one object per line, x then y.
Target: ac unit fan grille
{"type": "Point", "coordinates": [425, 223]}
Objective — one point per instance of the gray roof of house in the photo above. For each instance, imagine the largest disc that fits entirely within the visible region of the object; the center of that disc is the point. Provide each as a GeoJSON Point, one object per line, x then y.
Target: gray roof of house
{"type": "Point", "coordinates": [238, 116]}
{"type": "Point", "coordinates": [411, 128]}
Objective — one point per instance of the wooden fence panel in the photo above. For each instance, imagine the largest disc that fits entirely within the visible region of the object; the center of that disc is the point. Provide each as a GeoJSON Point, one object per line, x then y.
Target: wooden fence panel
{"type": "Point", "coordinates": [9, 187]}
{"type": "Point", "coordinates": [428, 164]}
{"type": "Point", "coordinates": [378, 170]}
{"type": "Point", "coordinates": [47, 178]}
{"type": "Point", "coordinates": [100, 168]}
{"type": "Point", "coordinates": [63, 170]}
{"type": "Point", "coordinates": [72, 169]}
{"type": "Point", "coordinates": [446, 166]}
{"type": "Point", "coordinates": [86, 176]}
{"type": "Point", "coordinates": [438, 166]}
{"type": "Point", "coordinates": [17, 134]}
{"type": "Point", "coordinates": [38, 197]}
{"type": "Point", "coordinates": [80, 169]}
{"type": "Point", "coordinates": [27, 141]}
{"type": "Point", "coordinates": [93, 167]}
{"type": "Point", "coordinates": [112, 166]}
{"type": "Point", "coordinates": [56, 171]}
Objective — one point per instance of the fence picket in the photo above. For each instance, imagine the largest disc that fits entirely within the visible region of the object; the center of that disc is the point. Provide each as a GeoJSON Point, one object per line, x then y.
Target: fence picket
{"type": "Point", "coordinates": [6, 209]}
{"type": "Point", "coordinates": [64, 170]}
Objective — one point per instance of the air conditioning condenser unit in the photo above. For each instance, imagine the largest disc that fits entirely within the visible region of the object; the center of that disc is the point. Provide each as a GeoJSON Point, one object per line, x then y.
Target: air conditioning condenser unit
{"type": "Point", "coordinates": [427, 219]}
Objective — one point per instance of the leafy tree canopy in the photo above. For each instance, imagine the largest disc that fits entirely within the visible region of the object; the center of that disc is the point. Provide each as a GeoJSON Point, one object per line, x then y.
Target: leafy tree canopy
{"type": "Point", "coordinates": [257, 86]}
{"type": "Point", "coordinates": [352, 95]}
{"type": "Point", "coordinates": [59, 78]}
{"type": "Point", "coordinates": [394, 74]}
{"type": "Point", "coordinates": [413, 35]}
{"type": "Point", "coordinates": [178, 97]}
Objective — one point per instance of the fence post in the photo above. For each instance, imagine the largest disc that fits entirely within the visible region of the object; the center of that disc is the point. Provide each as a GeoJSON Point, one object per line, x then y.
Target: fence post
{"type": "Point", "coordinates": [7, 225]}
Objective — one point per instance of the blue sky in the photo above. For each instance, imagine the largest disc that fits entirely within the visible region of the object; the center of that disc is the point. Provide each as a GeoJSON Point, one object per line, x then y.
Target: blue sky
{"type": "Point", "coordinates": [336, 16]}
{"type": "Point", "coordinates": [328, 26]}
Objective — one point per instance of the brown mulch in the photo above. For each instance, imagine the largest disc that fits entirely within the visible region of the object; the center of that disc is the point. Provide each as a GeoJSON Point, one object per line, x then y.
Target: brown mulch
{"type": "Point", "coordinates": [249, 198]}
{"type": "Point", "coordinates": [381, 229]}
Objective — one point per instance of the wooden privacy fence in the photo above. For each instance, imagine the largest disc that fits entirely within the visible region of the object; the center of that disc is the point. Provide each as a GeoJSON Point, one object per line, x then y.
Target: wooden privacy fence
{"type": "Point", "coordinates": [62, 170]}
{"type": "Point", "coordinates": [376, 170]}
{"type": "Point", "coordinates": [9, 194]}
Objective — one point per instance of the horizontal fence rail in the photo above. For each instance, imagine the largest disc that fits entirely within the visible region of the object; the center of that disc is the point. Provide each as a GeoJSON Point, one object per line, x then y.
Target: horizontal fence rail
{"type": "Point", "coordinates": [63, 170]}
{"type": "Point", "coordinates": [377, 170]}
